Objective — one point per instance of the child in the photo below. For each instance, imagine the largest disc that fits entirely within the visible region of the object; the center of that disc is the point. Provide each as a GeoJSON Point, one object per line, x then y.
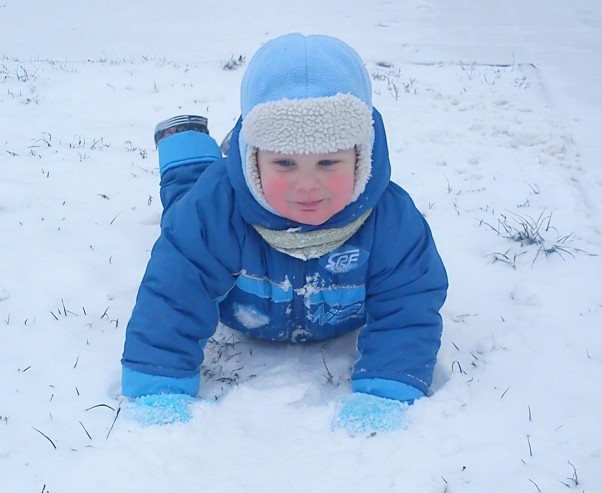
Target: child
{"type": "Point", "coordinates": [297, 235]}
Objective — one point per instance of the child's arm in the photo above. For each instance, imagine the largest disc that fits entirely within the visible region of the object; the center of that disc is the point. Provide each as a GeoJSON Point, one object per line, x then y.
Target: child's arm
{"type": "Point", "coordinates": [406, 288]}
{"type": "Point", "coordinates": [191, 268]}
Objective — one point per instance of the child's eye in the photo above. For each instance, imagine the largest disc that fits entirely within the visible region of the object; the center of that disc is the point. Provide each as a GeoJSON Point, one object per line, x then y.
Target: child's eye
{"type": "Point", "coordinates": [328, 162]}
{"type": "Point", "coordinates": [285, 163]}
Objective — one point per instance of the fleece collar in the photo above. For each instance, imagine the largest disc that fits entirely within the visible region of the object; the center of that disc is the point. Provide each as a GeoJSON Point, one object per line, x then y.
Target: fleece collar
{"type": "Point", "coordinates": [306, 245]}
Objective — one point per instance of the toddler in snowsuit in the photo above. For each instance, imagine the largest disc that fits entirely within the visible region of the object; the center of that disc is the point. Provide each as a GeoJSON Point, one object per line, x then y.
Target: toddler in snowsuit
{"type": "Point", "coordinates": [297, 235]}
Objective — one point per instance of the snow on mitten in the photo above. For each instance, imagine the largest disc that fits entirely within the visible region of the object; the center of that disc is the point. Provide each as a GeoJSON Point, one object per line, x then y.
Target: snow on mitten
{"type": "Point", "coordinates": [361, 413]}
{"type": "Point", "coordinates": [160, 409]}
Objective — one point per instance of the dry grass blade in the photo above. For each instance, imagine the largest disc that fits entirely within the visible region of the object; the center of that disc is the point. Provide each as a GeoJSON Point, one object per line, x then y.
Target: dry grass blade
{"type": "Point", "coordinates": [46, 437]}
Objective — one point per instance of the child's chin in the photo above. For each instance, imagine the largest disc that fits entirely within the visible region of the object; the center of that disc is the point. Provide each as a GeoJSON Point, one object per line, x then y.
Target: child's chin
{"type": "Point", "coordinates": [311, 218]}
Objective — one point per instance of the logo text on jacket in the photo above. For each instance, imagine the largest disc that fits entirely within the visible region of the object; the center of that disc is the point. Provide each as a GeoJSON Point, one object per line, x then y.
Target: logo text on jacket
{"type": "Point", "coordinates": [343, 261]}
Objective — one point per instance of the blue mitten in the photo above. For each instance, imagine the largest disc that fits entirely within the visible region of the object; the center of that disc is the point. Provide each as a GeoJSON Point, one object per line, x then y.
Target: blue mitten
{"type": "Point", "coordinates": [365, 413]}
{"type": "Point", "coordinates": [160, 409]}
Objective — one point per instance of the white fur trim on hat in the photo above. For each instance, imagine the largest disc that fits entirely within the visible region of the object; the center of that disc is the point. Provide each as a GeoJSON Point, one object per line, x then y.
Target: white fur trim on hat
{"type": "Point", "coordinates": [310, 126]}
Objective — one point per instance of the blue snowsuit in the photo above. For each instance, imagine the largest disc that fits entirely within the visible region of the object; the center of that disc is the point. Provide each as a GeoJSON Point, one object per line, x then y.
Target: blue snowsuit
{"type": "Point", "coordinates": [209, 264]}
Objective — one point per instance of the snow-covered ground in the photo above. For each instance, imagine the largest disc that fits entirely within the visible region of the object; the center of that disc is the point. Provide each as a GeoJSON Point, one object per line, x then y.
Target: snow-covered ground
{"type": "Point", "coordinates": [494, 116]}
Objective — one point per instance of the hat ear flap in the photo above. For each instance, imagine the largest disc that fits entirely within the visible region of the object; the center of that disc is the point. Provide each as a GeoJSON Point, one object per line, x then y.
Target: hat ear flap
{"type": "Point", "coordinates": [363, 169]}
{"type": "Point", "coordinates": [250, 170]}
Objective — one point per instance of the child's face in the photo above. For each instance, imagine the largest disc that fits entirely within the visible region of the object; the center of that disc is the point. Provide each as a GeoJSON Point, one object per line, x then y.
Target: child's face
{"type": "Point", "coordinates": [307, 188]}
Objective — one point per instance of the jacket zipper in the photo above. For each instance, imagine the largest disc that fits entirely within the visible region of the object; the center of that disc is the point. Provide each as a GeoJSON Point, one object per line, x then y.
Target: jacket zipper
{"type": "Point", "coordinates": [299, 320]}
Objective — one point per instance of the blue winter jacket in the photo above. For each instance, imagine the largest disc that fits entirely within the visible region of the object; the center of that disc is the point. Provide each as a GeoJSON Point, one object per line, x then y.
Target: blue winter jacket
{"type": "Point", "coordinates": [209, 264]}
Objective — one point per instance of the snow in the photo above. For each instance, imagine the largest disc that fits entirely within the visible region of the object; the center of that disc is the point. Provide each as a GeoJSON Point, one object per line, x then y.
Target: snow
{"type": "Point", "coordinates": [249, 317]}
{"type": "Point", "coordinates": [493, 114]}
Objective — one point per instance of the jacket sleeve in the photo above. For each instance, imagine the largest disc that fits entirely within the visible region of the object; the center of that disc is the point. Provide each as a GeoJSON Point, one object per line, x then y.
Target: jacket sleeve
{"type": "Point", "coordinates": [406, 287]}
{"type": "Point", "coordinates": [191, 269]}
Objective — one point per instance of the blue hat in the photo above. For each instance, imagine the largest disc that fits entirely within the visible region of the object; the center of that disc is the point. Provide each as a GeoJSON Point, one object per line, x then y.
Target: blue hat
{"type": "Point", "coordinates": [306, 95]}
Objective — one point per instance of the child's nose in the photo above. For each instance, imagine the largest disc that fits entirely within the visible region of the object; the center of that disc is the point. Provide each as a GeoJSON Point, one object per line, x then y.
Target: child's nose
{"type": "Point", "coordinates": [306, 182]}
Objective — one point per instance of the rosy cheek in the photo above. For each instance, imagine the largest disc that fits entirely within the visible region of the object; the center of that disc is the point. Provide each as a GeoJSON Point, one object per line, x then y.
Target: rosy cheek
{"type": "Point", "coordinates": [341, 185]}
{"type": "Point", "coordinates": [274, 188]}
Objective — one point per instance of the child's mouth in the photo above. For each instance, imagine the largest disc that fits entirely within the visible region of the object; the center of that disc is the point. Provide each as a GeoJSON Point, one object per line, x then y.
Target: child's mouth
{"type": "Point", "coordinates": [309, 205]}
